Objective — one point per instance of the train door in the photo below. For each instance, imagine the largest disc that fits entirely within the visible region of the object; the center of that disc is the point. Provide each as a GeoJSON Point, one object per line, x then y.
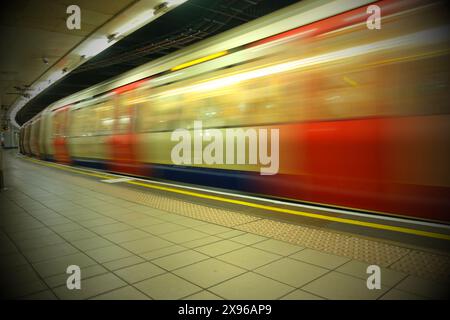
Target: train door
{"type": "Point", "coordinates": [123, 142]}
{"type": "Point", "coordinates": [61, 151]}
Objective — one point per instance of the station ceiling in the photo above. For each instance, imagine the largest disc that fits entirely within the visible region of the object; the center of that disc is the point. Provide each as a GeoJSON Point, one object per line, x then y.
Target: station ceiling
{"type": "Point", "coordinates": [31, 31]}
{"type": "Point", "coordinates": [192, 21]}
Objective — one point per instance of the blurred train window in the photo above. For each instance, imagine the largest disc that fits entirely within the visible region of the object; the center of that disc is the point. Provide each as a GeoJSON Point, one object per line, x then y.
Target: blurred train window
{"type": "Point", "coordinates": [160, 113]}
{"type": "Point", "coordinates": [435, 85]}
{"type": "Point", "coordinates": [418, 87]}
{"type": "Point", "coordinates": [191, 106]}
{"type": "Point", "coordinates": [82, 123]}
{"type": "Point", "coordinates": [240, 104]}
{"type": "Point", "coordinates": [203, 106]}
{"type": "Point", "coordinates": [276, 99]}
{"type": "Point", "coordinates": [347, 91]}
{"type": "Point", "coordinates": [104, 118]}
{"type": "Point", "coordinates": [144, 117]}
{"type": "Point", "coordinates": [210, 110]}
{"type": "Point", "coordinates": [229, 107]}
{"type": "Point", "coordinates": [75, 124]}
{"type": "Point", "coordinates": [251, 94]}
{"type": "Point", "coordinates": [124, 113]}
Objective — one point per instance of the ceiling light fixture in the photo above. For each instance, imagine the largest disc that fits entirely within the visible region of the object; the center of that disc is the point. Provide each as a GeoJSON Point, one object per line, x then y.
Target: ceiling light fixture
{"type": "Point", "coordinates": [136, 23]}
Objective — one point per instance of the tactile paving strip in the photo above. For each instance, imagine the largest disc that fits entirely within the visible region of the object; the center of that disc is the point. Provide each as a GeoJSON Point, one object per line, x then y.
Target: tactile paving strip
{"type": "Point", "coordinates": [332, 242]}
{"type": "Point", "coordinates": [304, 236]}
{"type": "Point", "coordinates": [213, 215]}
{"type": "Point", "coordinates": [373, 252]}
{"type": "Point", "coordinates": [425, 265]}
{"type": "Point", "coordinates": [413, 262]}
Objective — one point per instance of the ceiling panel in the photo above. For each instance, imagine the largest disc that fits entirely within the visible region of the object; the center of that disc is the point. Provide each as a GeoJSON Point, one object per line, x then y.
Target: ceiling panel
{"type": "Point", "coordinates": [31, 30]}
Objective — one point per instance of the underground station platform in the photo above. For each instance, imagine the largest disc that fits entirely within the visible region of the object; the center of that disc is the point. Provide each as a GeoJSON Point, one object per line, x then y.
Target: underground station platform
{"type": "Point", "coordinates": [222, 158]}
{"type": "Point", "coordinates": [137, 239]}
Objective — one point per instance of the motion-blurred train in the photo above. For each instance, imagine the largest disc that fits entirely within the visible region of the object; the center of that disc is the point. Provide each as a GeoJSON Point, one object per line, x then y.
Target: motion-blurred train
{"type": "Point", "coordinates": [362, 113]}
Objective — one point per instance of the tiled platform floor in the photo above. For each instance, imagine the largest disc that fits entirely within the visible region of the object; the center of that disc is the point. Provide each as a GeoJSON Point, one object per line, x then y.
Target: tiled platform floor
{"type": "Point", "coordinates": [130, 251]}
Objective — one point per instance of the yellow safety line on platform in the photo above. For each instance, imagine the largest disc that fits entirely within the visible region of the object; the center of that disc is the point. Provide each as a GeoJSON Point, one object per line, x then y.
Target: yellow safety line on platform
{"type": "Point", "coordinates": [299, 213]}
{"type": "Point", "coordinates": [261, 206]}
